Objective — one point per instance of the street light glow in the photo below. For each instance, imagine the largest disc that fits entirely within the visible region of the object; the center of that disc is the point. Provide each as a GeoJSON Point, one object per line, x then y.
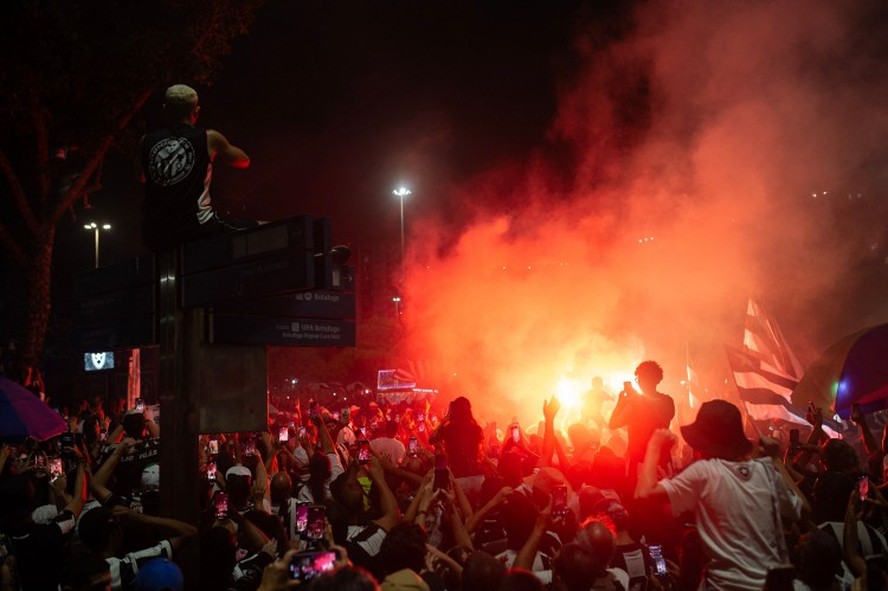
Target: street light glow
{"type": "Point", "coordinates": [95, 228]}
{"type": "Point", "coordinates": [401, 192]}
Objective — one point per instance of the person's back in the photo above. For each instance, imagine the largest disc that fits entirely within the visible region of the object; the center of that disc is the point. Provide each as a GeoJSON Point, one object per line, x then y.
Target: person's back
{"type": "Point", "coordinates": [177, 182]}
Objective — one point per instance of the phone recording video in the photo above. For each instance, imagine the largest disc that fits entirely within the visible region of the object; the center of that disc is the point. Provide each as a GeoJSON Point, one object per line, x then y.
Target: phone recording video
{"type": "Point", "coordinates": [140, 405]}
{"type": "Point", "coordinates": [211, 471]}
{"type": "Point", "coordinates": [317, 517]}
{"type": "Point", "coordinates": [220, 502]}
{"type": "Point", "coordinates": [250, 447]}
{"type": "Point", "coordinates": [55, 467]}
{"type": "Point", "coordinates": [283, 434]}
{"type": "Point", "coordinates": [363, 451]}
{"type": "Point", "coordinates": [863, 486]}
{"type": "Point", "coordinates": [656, 552]}
{"type": "Point", "coordinates": [302, 517]}
{"type": "Point", "coordinates": [213, 446]}
{"type": "Point", "coordinates": [305, 566]}
{"type": "Point", "coordinates": [559, 501]}
{"type": "Point", "coordinates": [413, 447]}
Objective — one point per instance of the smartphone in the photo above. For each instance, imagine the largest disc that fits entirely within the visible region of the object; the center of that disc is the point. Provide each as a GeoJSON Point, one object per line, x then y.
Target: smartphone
{"type": "Point", "coordinates": [103, 435]}
{"type": "Point", "coordinates": [363, 451]}
{"type": "Point", "coordinates": [413, 447]}
{"type": "Point", "coordinates": [213, 446]}
{"type": "Point", "coordinates": [344, 415]}
{"type": "Point", "coordinates": [656, 552]}
{"type": "Point", "coordinates": [863, 486]}
{"type": "Point", "coordinates": [220, 502]}
{"type": "Point", "coordinates": [140, 405]}
{"type": "Point", "coordinates": [627, 387]}
{"type": "Point", "coordinates": [211, 471]}
{"type": "Point", "coordinates": [250, 447]}
{"type": "Point", "coordinates": [283, 434]}
{"type": "Point", "coordinates": [305, 566]}
{"type": "Point", "coordinates": [67, 439]}
{"type": "Point", "coordinates": [559, 501]}
{"type": "Point", "coordinates": [317, 517]}
{"type": "Point", "coordinates": [780, 578]}
{"type": "Point", "coordinates": [300, 431]}
{"type": "Point", "coordinates": [442, 476]}
{"type": "Point", "coordinates": [55, 467]}
{"type": "Point", "coordinates": [516, 434]}
{"type": "Point", "coordinates": [302, 517]}
{"type": "Point", "coordinates": [793, 440]}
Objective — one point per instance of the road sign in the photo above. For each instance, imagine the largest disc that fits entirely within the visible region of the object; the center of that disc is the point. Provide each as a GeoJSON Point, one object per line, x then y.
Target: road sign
{"type": "Point", "coordinates": [279, 331]}
{"type": "Point", "coordinates": [306, 304]}
{"type": "Point", "coordinates": [255, 279]}
{"type": "Point", "coordinates": [267, 241]}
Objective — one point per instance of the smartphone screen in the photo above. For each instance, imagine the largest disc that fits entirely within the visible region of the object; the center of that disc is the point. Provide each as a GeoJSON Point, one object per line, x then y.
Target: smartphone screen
{"type": "Point", "coordinates": [250, 447]}
{"type": "Point", "coordinates": [344, 415]}
{"type": "Point", "coordinates": [55, 467]}
{"type": "Point", "coordinates": [559, 500]}
{"type": "Point", "coordinates": [413, 446]}
{"type": "Point", "coordinates": [863, 487]}
{"type": "Point", "coordinates": [516, 434]}
{"type": "Point", "coordinates": [656, 552]}
{"type": "Point", "coordinates": [220, 502]}
{"type": "Point", "coordinates": [316, 521]}
{"type": "Point", "coordinates": [283, 434]}
{"type": "Point", "coordinates": [211, 471]}
{"type": "Point", "coordinates": [300, 431]}
{"type": "Point", "coordinates": [305, 566]}
{"type": "Point", "coordinates": [140, 406]}
{"type": "Point", "coordinates": [364, 451]}
{"type": "Point", "coordinates": [302, 517]}
{"type": "Point", "coordinates": [213, 446]}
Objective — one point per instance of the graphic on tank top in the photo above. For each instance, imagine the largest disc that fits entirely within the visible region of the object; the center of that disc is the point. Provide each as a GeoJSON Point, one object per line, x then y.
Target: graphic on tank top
{"type": "Point", "coordinates": [170, 161]}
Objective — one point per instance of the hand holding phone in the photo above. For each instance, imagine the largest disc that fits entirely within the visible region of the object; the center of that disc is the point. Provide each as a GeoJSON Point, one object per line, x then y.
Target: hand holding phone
{"type": "Point", "coordinates": [656, 552]}
{"type": "Point", "coordinates": [364, 454]}
{"type": "Point", "coordinates": [305, 566]}
{"type": "Point", "coordinates": [220, 502]}
{"type": "Point", "coordinates": [863, 486]}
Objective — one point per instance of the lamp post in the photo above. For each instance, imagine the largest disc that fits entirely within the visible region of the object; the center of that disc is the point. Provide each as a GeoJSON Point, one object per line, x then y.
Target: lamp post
{"type": "Point", "coordinates": [401, 193]}
{"type": "Point", "coordinates": [96, 228]}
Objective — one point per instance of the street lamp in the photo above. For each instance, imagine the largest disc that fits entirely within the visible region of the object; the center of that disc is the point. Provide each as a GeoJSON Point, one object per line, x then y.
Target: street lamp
{"type": "Point", "coordinates": [397, 300]}
{"type": "Point", "coordinates": [402, 192]}
{"type": "Point", "coordinates": [96, 228]}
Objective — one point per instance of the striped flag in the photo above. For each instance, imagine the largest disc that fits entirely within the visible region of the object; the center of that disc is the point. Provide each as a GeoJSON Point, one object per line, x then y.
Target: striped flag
{"type": "Point", "coordinates": [765, 390]}
{"type": "Point", "coordinates": [766, 371]}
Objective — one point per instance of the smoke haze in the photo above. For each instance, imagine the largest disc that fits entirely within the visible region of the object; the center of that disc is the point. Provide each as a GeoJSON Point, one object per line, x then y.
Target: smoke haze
{"type": "Point", "coordinates": [700, 147]}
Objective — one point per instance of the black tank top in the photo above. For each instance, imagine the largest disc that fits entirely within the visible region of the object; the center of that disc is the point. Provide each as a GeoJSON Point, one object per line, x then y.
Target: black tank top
{"type": "Point", "coordinates": [177, 185]}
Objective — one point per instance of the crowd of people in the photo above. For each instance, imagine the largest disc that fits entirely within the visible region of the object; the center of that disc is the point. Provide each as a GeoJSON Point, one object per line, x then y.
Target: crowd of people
{"type": "Point", "coordinates": [416, 495]}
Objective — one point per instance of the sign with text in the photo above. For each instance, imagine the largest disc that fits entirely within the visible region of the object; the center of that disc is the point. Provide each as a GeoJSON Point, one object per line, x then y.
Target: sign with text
{"type": "Point", "coordinates": [306, 304]}
{"type": "Point", "coordinates": [279, 331]}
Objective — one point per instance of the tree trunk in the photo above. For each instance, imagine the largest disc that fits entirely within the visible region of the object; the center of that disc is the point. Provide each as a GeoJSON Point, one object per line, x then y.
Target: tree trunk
{"type": "Point", "coordinates": [38, 274]}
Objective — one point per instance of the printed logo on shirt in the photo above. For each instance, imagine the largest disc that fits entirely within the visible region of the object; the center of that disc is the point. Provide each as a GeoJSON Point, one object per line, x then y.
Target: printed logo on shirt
{"type": "Point", "coordinates": [743, 472]}
{"type": "Point", "coordinates": [170, 161]}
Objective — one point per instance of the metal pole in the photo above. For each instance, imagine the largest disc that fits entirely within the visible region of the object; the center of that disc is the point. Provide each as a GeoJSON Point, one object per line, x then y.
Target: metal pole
{"type": "Point", "coordinates": [402, 227]}
{"type": "Point", "coordinates": [97, 246]}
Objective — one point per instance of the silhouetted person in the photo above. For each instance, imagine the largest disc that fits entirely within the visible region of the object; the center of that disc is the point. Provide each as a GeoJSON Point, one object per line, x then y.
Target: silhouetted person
{"type": "Point", "coordinates": [642, 413]}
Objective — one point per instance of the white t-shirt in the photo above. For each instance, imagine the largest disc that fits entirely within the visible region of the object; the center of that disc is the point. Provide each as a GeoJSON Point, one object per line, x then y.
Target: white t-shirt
{"type": "Point", "coordinates": [305, 495]}
{"type": "Point", "coordinates": [734, 506]}
{"type": "Point", "coordinates": [390, 448]}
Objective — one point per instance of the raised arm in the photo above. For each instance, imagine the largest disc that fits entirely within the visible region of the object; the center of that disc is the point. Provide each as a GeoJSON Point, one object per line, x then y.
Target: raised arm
{"type": "Point", "coordinates": [230, 154]}
{"type": "Point", "coordinates": [647, 480]}
{"type": "Point", "coordinates": [391, 513]}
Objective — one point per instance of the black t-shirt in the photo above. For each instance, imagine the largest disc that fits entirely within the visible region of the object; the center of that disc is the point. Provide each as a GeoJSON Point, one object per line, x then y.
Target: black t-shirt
{"type": "Point", "coordinates": [128, 474]}
{"type": "Point", "coordinates": [40, 552]}
{"type": "Point", "coordinates": [177, 168]}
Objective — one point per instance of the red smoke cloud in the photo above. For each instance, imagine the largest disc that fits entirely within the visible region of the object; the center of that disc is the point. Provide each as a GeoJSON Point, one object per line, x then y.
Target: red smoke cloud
{"type": "Point", "coordinates": [697, 145]}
